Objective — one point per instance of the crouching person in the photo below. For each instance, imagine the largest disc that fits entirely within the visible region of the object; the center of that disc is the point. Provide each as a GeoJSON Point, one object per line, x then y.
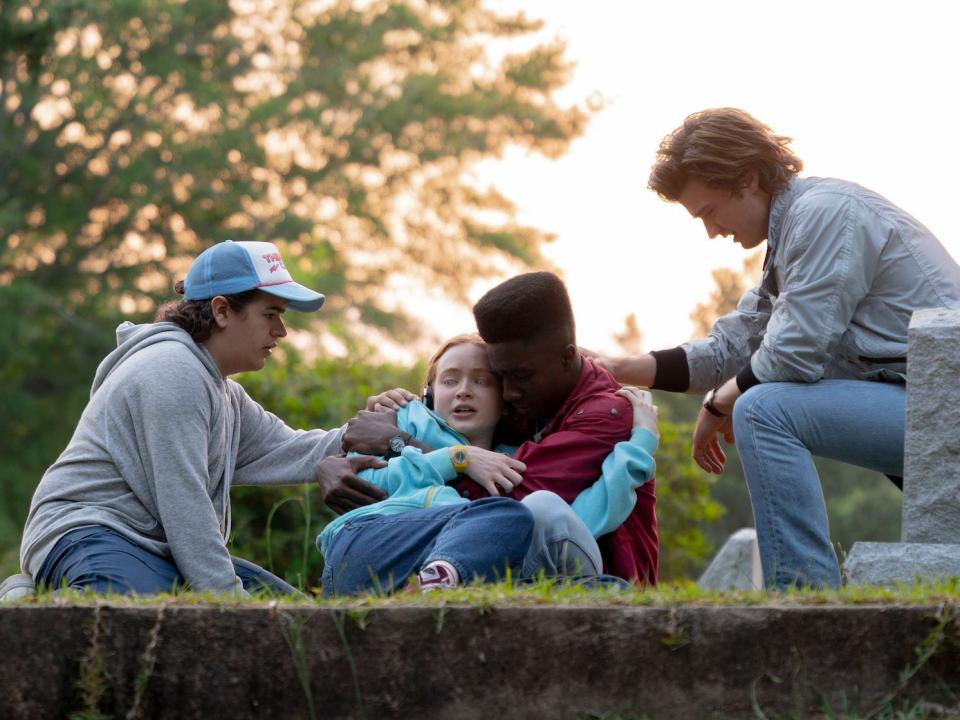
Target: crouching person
{"type": "Point", "coordinates": [139, 501]}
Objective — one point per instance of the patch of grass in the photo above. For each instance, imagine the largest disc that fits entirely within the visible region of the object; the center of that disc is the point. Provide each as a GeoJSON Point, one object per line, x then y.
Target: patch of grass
{"type": "Point", "coordinates": [92, 680]}
{"type": "Point", "coordinates": [291, 626]}
{"type": "Point", "coordinates": [509, 593]}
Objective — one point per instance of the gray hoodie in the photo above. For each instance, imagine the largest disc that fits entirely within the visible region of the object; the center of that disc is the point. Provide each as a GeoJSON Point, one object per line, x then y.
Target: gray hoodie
{"type": "Point", "coordinates": [155, 453]}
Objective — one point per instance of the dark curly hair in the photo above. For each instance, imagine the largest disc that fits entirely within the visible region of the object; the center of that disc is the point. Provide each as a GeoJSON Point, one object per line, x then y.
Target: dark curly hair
{"type": "Point", "coordinates": [195, 316]}
{"type": "Point", "coordinates": [525, 307]}
{"type": "Point", "coordinates": [720, 146]}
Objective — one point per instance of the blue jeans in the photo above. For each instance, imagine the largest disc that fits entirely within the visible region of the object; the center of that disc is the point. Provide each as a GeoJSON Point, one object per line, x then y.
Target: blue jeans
{"type": "Point", "coordinates": [561, 545]}
{"type": "Point", "coordinates": [778, 428]}
{"type": "Point", "coordinates": [377, 553]}
{"type": "Point", "coordinates": [102, 560]}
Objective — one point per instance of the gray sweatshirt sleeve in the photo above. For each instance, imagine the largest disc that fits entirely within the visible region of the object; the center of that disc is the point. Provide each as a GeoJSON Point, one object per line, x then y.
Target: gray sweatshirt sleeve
{"type": "Point", "coordinates": [167, 416]}
{"type": "Point", "coordinates": [272, 453]}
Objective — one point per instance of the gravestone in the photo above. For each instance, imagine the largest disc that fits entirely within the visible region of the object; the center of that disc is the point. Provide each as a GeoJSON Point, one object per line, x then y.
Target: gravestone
{"type": "Point", "coordinates": [930, 531]}
{"type": "Point", "coordinates": [736, 566]}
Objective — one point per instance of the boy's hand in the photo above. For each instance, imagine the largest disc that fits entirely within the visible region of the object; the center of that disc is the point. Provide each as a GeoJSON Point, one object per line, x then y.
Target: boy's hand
{"type": "Point", "coordinates": [370, 432]}
{"type": "Point", "coordinates": [340, 486]}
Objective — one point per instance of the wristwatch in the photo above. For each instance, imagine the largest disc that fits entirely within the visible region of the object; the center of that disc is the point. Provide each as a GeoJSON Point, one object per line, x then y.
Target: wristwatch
{"type": "Point", "coordinates": [710, 407]}
{"type": "Point", "coordinates": [460, 457]}
{"type": "Point", "coordinates": [396, 444]}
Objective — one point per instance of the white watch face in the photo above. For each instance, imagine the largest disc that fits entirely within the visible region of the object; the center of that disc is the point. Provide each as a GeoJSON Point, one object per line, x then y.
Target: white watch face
{"type": "Point", "coordinates": [397, 444]}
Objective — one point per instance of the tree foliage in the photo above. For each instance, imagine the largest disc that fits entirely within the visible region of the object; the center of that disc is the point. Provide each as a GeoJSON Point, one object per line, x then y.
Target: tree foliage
{"type": "Point", "coordinates": [685, 506]}
{"type": "Point", "coordinates": [730, 286]}
{"type": "Point", "coordinates": [133, 133]}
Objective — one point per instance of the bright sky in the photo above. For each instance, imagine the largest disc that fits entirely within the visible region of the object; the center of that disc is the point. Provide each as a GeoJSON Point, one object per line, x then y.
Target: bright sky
{"type": "Point", "coordinates": [868, 90]}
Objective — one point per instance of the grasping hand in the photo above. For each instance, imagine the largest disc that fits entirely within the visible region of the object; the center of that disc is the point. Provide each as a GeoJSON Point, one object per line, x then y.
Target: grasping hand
{"type": "Point", "coordinates": [389, 400]}
{"type": "Point", "coordinates": [492, 470]}
{"type": "Point", "coordinates": [370, 432]}
{"type": "Point", "coordinates": [340, 486]}
{"type": "Point", "coordinates": [644, 411]}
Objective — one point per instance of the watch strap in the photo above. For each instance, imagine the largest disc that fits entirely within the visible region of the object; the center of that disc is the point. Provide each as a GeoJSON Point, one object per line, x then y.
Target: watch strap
{"type": "Point", "coordinates": [710, 407]}
{"type": "Point", "coordinates": [460, 457]}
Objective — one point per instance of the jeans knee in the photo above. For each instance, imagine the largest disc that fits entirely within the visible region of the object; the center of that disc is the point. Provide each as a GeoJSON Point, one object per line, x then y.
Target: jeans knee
{"type": "Point", "coordinates": [553, 518]}
{"type": "Point", "coordinates": [546, 508]}
{"type": "Point", "coordinates": [762, 405]}
{"type": "Point", "coordinates": [743, 409]}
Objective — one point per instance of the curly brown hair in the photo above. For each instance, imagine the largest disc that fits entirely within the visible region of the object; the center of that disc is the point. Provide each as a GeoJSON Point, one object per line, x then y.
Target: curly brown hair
{"type": "Point", "coordinates": [196, 316]}
{"type": "Point", "coordinates": [720, 146]}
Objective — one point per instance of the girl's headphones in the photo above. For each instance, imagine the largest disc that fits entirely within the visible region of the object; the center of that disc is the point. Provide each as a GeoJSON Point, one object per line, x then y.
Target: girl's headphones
{"type": "Point", "coordinates": [428, 397]}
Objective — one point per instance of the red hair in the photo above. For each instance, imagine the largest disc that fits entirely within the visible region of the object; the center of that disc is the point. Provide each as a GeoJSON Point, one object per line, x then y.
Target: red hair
{"type": "Point", "coordinates": [464, 339]}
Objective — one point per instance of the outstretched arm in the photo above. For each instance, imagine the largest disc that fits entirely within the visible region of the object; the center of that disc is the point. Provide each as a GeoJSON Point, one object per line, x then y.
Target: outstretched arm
{"type": "Point", "coordinates": [370, 433]}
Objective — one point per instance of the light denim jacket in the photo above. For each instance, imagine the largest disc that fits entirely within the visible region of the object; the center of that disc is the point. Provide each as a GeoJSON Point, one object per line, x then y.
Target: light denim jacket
{"type": "Point", "coordinates": [417, 480]}
{"type": "Point", "coordinates": [845, 270]}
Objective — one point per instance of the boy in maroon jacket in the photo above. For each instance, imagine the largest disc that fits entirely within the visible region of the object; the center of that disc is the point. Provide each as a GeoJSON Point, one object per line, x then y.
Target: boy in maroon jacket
{"type": "Point", "coordinates": [527, 323]}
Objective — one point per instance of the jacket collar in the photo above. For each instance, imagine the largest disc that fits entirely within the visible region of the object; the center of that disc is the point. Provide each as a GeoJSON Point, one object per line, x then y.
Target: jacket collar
{"type": "Point", "coordinates": [593, 379]}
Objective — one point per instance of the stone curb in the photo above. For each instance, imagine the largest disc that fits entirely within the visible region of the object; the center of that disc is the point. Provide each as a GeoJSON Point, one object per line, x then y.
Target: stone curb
{"type": "Point", "coordinates": [467, 662]}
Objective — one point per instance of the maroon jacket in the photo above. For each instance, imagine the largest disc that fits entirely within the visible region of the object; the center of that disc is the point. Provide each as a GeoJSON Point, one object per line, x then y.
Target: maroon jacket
{"type": "Point", "coordinates": [568, 457]}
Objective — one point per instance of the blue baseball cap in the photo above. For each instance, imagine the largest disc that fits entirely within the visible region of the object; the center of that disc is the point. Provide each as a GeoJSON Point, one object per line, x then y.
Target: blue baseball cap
{"type": "Point", "coordinates": [234, 267]}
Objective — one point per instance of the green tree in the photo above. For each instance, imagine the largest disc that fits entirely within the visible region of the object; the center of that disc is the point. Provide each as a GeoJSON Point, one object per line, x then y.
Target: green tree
{"type": "Point", "coordinates": [133, 133]}
{"type": "Point", "coordinates": [685, 507]}
{"type": "Point", "coordinates": [730, 287]}
{"type": "Point", "coordinates": [630, 338]}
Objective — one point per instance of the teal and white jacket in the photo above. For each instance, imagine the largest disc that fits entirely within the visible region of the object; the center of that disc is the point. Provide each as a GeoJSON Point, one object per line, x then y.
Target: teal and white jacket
{"type": "Point", "coordinates": [415, 480]}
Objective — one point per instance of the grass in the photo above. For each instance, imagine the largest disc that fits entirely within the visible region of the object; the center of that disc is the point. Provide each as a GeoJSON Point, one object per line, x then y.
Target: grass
{"type": "Point", "coordinates": [545, 593]}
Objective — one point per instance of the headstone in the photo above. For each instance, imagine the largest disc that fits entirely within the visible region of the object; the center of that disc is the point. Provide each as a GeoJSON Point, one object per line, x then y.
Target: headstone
{"type": "Point", "coordinates": [736, 566]}
{"type": "Point", "coordinates": [930, 531]}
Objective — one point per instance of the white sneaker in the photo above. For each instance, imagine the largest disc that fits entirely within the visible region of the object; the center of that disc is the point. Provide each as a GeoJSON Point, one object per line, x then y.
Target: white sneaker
{"type": "Point", "coordinates": [438, 575]}
{"type": "Point", "coordinates": [16, 587]}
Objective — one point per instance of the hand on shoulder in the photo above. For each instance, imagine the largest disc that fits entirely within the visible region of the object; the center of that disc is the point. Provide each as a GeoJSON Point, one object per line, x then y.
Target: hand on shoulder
{"type": "Point", "coordinates": [644, 411]}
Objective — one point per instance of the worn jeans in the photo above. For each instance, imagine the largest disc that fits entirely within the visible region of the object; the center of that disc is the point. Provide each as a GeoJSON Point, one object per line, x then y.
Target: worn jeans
{"type": "Point", "coordinates": [102, 560]}
{"type": "Point", "coordinates": [779, 427]}
{"type": "Point", "coordinates": [482, 539]}
{"type": "Point", "coordinates": [561, 545]}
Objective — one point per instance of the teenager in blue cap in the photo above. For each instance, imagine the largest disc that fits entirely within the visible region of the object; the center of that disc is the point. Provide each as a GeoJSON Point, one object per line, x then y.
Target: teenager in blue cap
{"type": "Point", "coordinates": [139, 501]}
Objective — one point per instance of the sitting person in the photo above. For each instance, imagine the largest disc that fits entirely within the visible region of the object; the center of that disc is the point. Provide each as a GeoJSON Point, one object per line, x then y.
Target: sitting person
{"type": "Point", "coordinates": [426, 528]}
{"type": "Point", "coordinates": [139, 501]}
{"type": "Point", "coordinates": [527, 323]}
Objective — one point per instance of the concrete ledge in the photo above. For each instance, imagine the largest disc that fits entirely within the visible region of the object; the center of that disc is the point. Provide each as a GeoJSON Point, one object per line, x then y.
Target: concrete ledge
{"type": "Point", "coordinates": [178, 661]}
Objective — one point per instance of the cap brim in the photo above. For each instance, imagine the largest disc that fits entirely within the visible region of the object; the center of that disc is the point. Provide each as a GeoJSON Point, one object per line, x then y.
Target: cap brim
{"type": "Point", "coordinates": [297, 296]}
